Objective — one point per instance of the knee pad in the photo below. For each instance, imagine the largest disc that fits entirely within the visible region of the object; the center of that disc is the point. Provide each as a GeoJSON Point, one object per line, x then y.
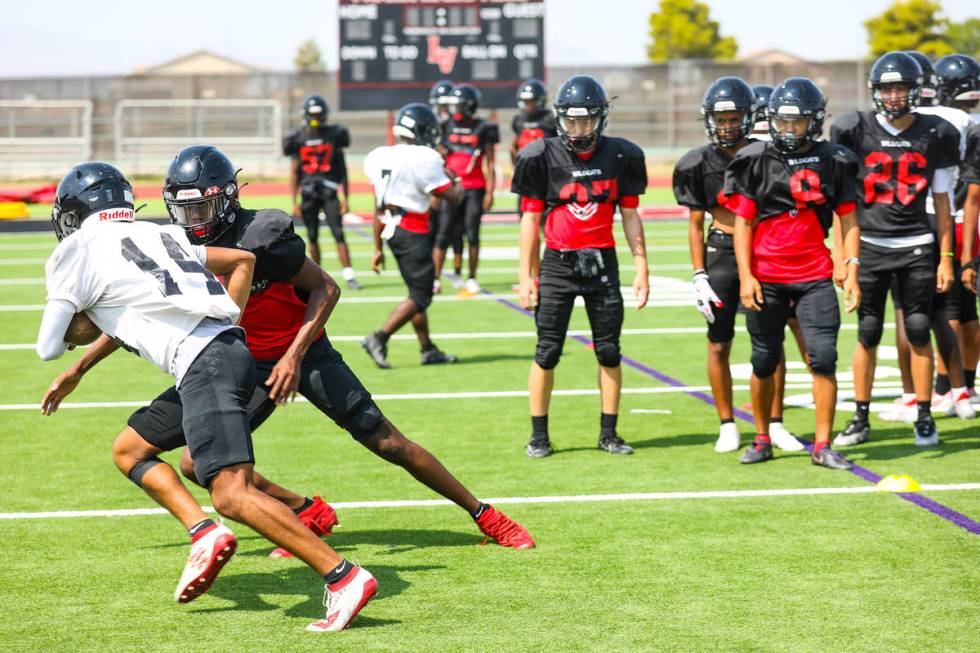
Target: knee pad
{"type": "Point", "coordinates": [547, 356]}
{"type": "Point", "coordinates": [823, 360]}
{"type": "Point", "coordinates": [364, 421]}
{"type": "Point", "coordinates": [918, 328]}
{"type": "Point", "coordinates": [764, 364]}
{"type": "Point", "coordinates": [869, 330]}
{"type": "Point", "coordinates": [607, 354]}
{"type": "Point", "coordinates": [139, 470]}
{"type": "Point", "coordinates": [421, 298]}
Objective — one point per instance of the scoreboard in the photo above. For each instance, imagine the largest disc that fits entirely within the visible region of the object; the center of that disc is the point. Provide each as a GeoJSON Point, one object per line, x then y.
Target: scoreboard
{"type": "Point", "coordinates": [392, 52]}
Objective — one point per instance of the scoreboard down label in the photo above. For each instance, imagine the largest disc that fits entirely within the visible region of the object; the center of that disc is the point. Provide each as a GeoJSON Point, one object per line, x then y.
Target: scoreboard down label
{"type": "Point", "coordinates": [391, 53]}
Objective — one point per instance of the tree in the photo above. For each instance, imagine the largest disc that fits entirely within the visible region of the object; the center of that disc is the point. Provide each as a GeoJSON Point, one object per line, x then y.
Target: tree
{"type": "Point", "coordinates": [965, 37]}
{"type": "Point", "coordinates": [682, 29]}
{"type": "Point", "coordinates": [308, 58]}
{"type": "Point", "coordinates": [909, 25]}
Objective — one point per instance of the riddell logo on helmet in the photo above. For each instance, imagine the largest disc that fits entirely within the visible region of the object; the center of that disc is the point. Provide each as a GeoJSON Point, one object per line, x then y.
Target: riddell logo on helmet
{"type": "Point", "coordinates": [116, 214]}
{"type": "Point", "coordinates": [213, 190]}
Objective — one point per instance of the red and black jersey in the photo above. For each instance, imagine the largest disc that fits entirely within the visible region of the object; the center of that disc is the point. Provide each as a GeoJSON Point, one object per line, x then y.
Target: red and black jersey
{"type": "Point", "coordinates": [699, 177]}
{"type": "Point", "coordinates": [462, 139]}
{"type": "Point", "coordinates": [577, 193]}
{"type": "Point", "coordinates": [533, 127]}
{"type": "Point", "coordinates": [895, 171]}
{"type": "Point", "coordinates": [320, 153]}
{"type": "Point", "coordinates": [970, 168]}
{"type": "Point", "coordinates": [793, 198]}
{"type": "Point", "coordinates": [275, 312]}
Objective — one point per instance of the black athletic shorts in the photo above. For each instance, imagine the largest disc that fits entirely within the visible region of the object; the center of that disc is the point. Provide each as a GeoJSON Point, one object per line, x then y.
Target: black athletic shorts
{"type": "Point", "coordinates": [722, 269]}
{"type": "Point", "coordinates": [316, 197]}
{"type": "Point", "coordinates": [465, 217]}
{"type": "Point", "coordinates": [913, 270]}
{"type": "Point", "coordinates": [325, 380]}
{"type": "Point", "coordinates": [413, 252]}
{"type": "Point", "coordinates": [961, 304]}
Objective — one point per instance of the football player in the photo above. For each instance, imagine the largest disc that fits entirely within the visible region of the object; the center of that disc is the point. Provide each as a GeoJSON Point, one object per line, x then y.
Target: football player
{"type": "Point", "coordinates": [439, 96]}
{"type": "Point", "coordinates": [470, 143]}
{"type": "Point", "coordinates": [575, 182]}
{"type": "Point", "coordinates": [319, 176]}
{"type": "Point", "coordinates": [406, 178]}
{"type": "Point", "coordinates": [147, 287]}
{"type": "Point", "coordinates": [902, 155]}
{"type": "Point", "coordinates": [534, 119]}
{"type": "Point", "coordinates": [786, 193]}
{"type": "Point", "coordinates": [729, 111]}
{"type": "Point", "coordinates": [760, 118]}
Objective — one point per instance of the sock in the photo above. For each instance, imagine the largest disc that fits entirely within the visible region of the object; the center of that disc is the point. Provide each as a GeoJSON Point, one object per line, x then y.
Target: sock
{"type": "Point", "coordinates": [428, 347]}
{"type": "Point", "coordinates": [861, 412]}
{"type": "Point", "coordinates": [338, 573]}
{"type": "Point", "coordinates": [607, 424]}
{"type": "Point", "coordinates": [762, 439]}
{"type": "Point", "coordinates": [942, 384]}
{"type": "Point", "coordinates": [479, 511]}
{"type": "Point", "coordinates": [382, 336]}
{"type": "Point", "coordinates": [200, 528]}
{"type": "Point", "coordinates": [539, 425]}
{"type": "Point", "coordinates": [348, 273]}
{"type": "Point", "coordinates": [971, 377]}
{"type": "Point", "coordinates": [458, 272]}
{"type": "Point", "coordinates": [730, 420]}
{"type": "Point", "coordinates": [925, 410]}
{"type": "Point", "coordinates": [306, 504]}
{"type": "Point", "coordinates": [776, 419]}
{"type": "Point", "coordinates": [817, 446]}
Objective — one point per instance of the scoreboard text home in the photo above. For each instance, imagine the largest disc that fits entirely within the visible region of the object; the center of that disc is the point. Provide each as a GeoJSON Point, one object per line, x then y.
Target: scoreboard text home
{"type": "Point", "coordinates": [392, 52]}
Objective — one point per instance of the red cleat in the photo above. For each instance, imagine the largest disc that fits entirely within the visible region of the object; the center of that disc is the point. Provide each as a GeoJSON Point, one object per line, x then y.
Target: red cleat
{"type": "Point", "coordinates": [209, 553]}
{"type": "Point", "coordinates": [504, 530]}
{"type": "Point", "coordinates": [319, 518]}
{"type": "Point", "coordinates": [344, 600]}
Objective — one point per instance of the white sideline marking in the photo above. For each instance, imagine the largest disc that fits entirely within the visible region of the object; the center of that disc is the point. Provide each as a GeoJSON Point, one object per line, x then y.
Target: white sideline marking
{"type": "Point", "coordinates": [574, 498]}
{"type": "Point", "coordinates": [489, 394]}
{"type": "Point", "coordinates": [23, 261]}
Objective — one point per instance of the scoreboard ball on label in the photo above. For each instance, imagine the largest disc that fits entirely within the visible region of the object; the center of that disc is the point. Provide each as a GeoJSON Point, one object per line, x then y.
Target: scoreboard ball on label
{"type": "Point", "coordinates": [82, 330]}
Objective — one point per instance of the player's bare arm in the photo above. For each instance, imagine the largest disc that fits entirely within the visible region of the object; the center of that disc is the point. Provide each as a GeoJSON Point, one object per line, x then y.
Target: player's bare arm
{"type": "Point", "coordinates": [633, 228]}
{"type": "Point", "coordinates": [66, 382]}
{"type": "Point", "coordinates": [944, 233]}
{"type": "Point", "coordinates": [453, 194]}
{"type": "Point", "coordinates": [490, 173]}
{"type": "Point", "coordinates": [529, 244]}
{"type": "Point", "coordinates": [750, 291]}
{"type": "Point", "coordinates": [294, 185]}
{"type": "Point", "coordinates": [840, 270]}
{"type": "Point", "coordinates": [695, 238]}
{"type": "Point", "coordinates": [971, 211]}
{"type": "Point", "coordinates": [850, 238]}
{"type": "Point", "coordinates": [237, 266]}
{"type": "Point", "coordinates": [378, 260]}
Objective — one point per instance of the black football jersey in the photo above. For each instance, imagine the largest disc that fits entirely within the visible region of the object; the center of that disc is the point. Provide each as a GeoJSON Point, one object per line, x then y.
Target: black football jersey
{"type": "Point", "coordinates": [269, 234]}
{"type": "Point", "coordinates": [970, 168]}
{"type": "Point", "coordinates": [528, 128]}
{"type": "Point", "coordinates": [469, 135]}
{"type": "Point", "coordinates": [699, 177]}
{"type": "Point", "coordinates": [822, 178]}
{"type": "Point", "coordinates": [895, 171]}
{"type": "Point", "coordinates": [320, 152]}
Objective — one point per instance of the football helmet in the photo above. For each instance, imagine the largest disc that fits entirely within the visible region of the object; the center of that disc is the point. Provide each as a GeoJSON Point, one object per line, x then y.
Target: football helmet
{"type": "Point", "coordinates": [201, 192]}
{"type": "Point", "coordinates": [895, 69]}
{"type": "Point", "coordinates": [727, 95]}
{"type": "Point", "coordinates": [581, 108]}
{"type": "Point", "coordinates": [930, 82]}
{"type": "Point", "coordinates": [532, 90]}
{"type": "Point", "coordinates": [959, 79]}
{"type": "Point", "coordinates": [90, 188]}
{"type": "Point", "coordinates": [440, 92]}
{"type": "Point", "coordinates": [315, 111]}
{"type": "Point", "coordinates": [464, 101]}
{"type": "Point", "coordinates": [418, 123]}
{"type": "Point", "coordinates": [760, 110]}
{"type": "Point", "coordinates": [797, 108]}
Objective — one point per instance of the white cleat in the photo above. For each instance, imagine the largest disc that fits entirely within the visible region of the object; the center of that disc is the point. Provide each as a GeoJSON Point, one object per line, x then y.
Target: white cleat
{"type": "Point", "coordinates": [782, 438]}
{"type": "Point", "coordinates": [728, 438]}
{"type": "Point", "coordinates": [472, 287]}
{"type": "Point", "coordinates": [905, 410]}
{"type": "Point", "coordinates": [974, 397]}
{"type": "Point", "coordinates": [344, 600]}
{"type": "Point", "coordinates": [458, 282]}
{"type": "Point", "coordinates": [208, 555]}
{"type": "Point", "coordinates": [962, 407]}
{"type": "Point", "coordinates": [942, 403]}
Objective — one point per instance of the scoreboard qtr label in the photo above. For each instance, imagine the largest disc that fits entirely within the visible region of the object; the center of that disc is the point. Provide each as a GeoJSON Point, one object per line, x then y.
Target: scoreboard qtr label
{"type": "Point", "coordinates": [391, 52]}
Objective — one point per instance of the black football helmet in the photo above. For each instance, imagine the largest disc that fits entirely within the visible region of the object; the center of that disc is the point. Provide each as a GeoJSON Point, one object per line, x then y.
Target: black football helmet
{"type": "Point", "coordinates": [930, 82]}
{"type": "Point", "coordinates": [201, 192]}
{"type": "Point", "coordinates": [532, 90]}
{"type": "Point", "coordinates": [760, 110]}
{"type": "Point", "coordinates": [88, 189]}
{"type": "Point", "coordinates": [895, 68]}
{"type": "Point", "coordinates": [794, 99]}
{"type": "Point", "coordinates": [959, 79]}
{"type": "Point", "coordinates": [581, 97]}
{"type": "Point", "coordinates": [728, 94]}
{"type": "Point", "coordinates": [315, 111]}
{"type": "Point", "coordinates": [418, 123]}
{"type": "Point", "coordinates": [440, 92]}
{"type": "Point", "coordinates": [464, 101]}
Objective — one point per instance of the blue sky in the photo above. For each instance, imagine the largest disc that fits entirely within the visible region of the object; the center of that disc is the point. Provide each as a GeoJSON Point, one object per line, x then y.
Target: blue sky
{"type": "Point", "coordinates": [48, 39]}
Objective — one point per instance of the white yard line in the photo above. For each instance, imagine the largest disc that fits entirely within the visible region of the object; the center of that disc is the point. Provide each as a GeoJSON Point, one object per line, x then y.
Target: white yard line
{"type": "Point", "coordinates": [572, 498]}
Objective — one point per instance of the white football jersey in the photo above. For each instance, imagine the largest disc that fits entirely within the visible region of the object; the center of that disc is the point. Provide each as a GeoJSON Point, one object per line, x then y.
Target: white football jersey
{"type": "Point", "coordinates": [403, 175]}
{"type": "Point", "coordinates": [961, 120]}
{"type": "Point", "coordinates": [141, 283]}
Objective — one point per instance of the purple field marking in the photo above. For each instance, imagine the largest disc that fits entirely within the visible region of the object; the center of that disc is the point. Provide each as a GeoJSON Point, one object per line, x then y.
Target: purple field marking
{"type": "Point", "coordinates": [915, 498]}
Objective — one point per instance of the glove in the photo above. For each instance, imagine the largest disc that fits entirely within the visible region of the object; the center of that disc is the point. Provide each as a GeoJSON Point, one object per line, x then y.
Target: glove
{"type": "Point", "coordinates": [705, 296]}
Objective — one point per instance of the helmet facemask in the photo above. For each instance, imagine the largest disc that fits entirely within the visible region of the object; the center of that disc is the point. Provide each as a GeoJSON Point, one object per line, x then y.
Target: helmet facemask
{"type": "Point", "coordinates": [580, 127]}
{"type": "Point", "coordinates": [727, 127]}
{"type": "Point", "coordinates": [205, 217]}
{"type": "Point", "coordinates": [790, 130]}
{"type": "Point", "coordinates": [895, 99]}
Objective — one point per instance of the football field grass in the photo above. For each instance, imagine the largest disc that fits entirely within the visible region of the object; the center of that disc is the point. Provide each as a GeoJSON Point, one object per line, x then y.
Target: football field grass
{"type": "Point", "coordinates": [694, 553]}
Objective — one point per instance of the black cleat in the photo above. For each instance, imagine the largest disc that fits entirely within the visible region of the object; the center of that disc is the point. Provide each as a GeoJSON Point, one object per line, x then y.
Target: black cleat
{"type": "Point", "coordinates": [830, 459]}
{"type": "Point", "coordinates": [856, 432]}
{"type": "Point", "coordinates": [435, 356]}
{"type": "Point", "coordinates": [538, 447]}
{"type": "Point", "coordinates": [756, 453]}
{"type": "Point", "coordinates": [354, 284]}
{"type": "Point", "coordinates": [377, 350]}
{"type": "Point", "coordinates": [614, 444]}
{"type": "Point", "coordinates": [926, 434]}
